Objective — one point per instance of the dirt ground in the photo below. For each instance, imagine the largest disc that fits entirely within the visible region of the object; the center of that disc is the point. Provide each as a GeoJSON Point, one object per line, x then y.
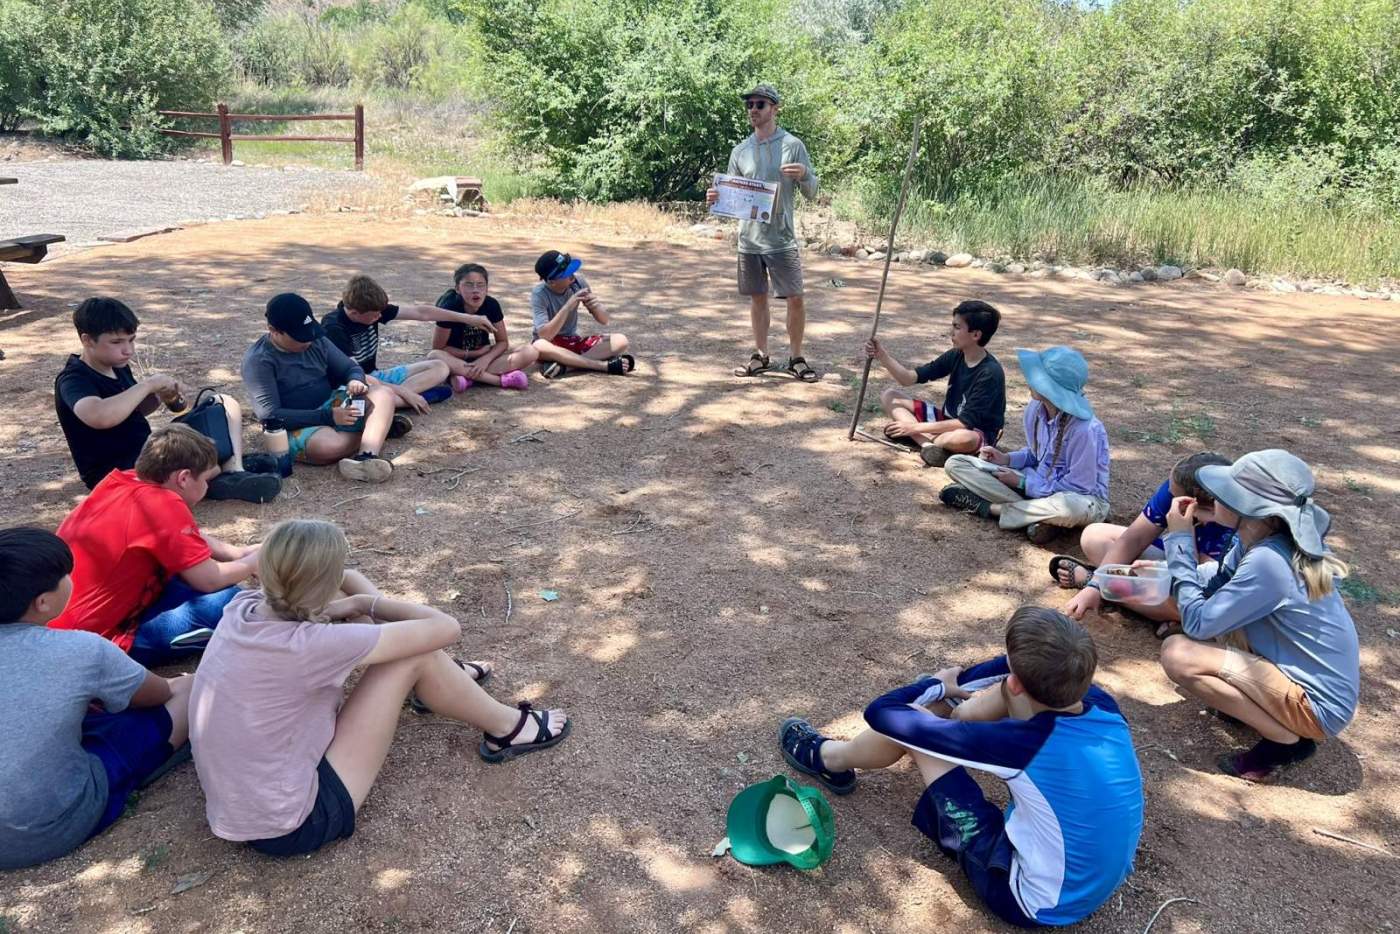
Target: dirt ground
{"type": "Point", "coordinates": [725, 558]}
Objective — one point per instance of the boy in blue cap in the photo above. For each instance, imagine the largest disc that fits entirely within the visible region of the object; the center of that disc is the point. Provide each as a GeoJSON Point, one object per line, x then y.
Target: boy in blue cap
{"type": "Point", "coordinates": [1060, 479]}
{"type": "Point", "coordinates": [554, 304]}
{"type": "Point", "coordinates": [1034, 719]}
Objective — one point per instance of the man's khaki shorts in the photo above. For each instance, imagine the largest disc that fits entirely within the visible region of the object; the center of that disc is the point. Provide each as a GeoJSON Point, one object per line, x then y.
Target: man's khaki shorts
{"type": "Point", "coordinates": [784, 269]}
{"type": "Point", "coordinates": [1262, 682]}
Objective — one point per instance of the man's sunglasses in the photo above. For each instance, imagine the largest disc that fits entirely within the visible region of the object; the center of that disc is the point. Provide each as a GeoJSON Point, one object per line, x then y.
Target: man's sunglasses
{"type": "Point", "coordinates": [756, 104]}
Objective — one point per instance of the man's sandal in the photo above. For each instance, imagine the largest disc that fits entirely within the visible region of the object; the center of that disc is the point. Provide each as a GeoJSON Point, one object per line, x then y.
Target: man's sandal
{"type": "Point", "coordinates": [479, 674]}
{"type": "Point", "coordinates": [544, 738]}
{"type": "Point", "coordinates": [758, 363]}
{"type": "Point", "coordinates": [799, 368]}
{"type": "Point", "coordinates": [1071, 564]}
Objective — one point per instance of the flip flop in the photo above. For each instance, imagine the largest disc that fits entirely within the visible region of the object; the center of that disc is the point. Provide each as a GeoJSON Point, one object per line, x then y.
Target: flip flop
{"type": "Point", "coordinates": [1060, 562]}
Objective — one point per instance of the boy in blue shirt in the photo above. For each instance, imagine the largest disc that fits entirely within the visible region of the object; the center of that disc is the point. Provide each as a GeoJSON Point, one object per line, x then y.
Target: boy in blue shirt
{"type": "Point", "coordinates": [1034, 719]}
{"type": "Point", "coordinates": [68, 767]}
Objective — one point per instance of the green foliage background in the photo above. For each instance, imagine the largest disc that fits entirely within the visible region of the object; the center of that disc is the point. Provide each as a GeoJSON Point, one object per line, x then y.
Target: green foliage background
{"type": "Point", "coordinates": [1055, 127]}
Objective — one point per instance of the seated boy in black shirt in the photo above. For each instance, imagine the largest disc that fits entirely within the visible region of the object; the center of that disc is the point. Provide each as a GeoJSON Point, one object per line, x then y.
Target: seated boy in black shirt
{"type": "Point", "coordinates": [974, 410]}
{"type": "Point", "coordinates": [102, 408]}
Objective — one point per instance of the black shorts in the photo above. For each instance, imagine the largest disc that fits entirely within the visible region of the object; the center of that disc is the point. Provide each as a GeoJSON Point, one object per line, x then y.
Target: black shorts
{"type": "Point", "coordinates": [332, 818]}
{"type": "Point", "coordinates": [955, 814]}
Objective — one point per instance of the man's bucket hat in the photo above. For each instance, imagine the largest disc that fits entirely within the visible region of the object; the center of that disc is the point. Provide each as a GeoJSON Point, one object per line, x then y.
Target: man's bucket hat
{"type": "Point", "coordinates": [1263, 484]}
{"type": "Point", "coordinates": [780, 821]}
{"type": "Point", "coordinates": [1058, 374]}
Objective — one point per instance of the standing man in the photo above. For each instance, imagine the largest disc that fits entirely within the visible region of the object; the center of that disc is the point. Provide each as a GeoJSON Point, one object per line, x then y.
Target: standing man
{"type": "Point", "coordinates": [768, 252]}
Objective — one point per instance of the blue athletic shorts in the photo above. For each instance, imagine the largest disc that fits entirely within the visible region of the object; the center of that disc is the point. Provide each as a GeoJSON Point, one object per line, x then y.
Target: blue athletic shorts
{"type": "Point", "coordinates": [332, 818]}
{"type": "Point", "coordinates": [131, 745]}
{"type": "Point", "coordinates": [955, 814]}
{"type": "Point", "coordinates": [394, 376]}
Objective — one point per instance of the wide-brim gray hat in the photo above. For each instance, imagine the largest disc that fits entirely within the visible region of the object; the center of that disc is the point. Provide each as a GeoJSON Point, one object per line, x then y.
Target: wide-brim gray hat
{"type": "Point", "coordinates": [1273, 483]}
{"type": "Point", "coordinates": [1058, 374]}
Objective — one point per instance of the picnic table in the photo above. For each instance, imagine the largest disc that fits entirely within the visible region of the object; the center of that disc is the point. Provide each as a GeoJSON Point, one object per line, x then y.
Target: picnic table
{"type": "Point", "coordinates": [30, 249]}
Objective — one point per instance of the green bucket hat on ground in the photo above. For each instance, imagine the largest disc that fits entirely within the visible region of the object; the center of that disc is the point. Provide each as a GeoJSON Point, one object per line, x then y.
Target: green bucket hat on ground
{"type": "Point", "coordinates": [780, 821]}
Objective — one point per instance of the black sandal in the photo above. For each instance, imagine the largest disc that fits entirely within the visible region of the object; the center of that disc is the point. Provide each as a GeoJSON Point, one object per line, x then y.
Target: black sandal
{"type": "Point", "coordinates": [902, 440]}
{"type": "Point", "coordinates": [758, 363]}
{"type": "Point", "coordinates": [621, 365]}
{"type": "Point", "coordinates": [481, 674]}
{"type": "Point", "coordinates": [1061, 562]}
{"type": "Point", "coordinates": [543, 737]}
{"type": "Point", "coordinates": [801, 369]}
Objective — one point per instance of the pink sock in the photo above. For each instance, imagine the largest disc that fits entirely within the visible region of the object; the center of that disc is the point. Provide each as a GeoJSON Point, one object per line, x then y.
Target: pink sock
{"type": "Point", "coordinates": [515, 379]}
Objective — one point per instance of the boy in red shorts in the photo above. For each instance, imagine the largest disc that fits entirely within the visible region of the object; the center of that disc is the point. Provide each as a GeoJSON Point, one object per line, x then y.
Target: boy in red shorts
{"type": "Point", "coordinates": [554, 303]}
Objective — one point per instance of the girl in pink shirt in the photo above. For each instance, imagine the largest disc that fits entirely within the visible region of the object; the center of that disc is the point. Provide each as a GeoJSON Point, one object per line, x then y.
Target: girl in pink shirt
{"type": "Point", "coordinates": [284, 757]}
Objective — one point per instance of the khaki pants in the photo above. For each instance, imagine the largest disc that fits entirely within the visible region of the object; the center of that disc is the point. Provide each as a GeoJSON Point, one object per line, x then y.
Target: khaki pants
{"type": "Point", "coordinates": [1068, 510]}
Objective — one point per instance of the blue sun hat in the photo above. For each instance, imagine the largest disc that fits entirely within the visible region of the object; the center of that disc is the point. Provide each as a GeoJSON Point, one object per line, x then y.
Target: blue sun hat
{"type": "Point", "coordinates": [1058, 374]}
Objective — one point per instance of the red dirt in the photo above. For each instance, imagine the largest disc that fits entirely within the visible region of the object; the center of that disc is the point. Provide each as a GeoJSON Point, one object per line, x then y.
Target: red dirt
{"type": "Point", "coordinates": [726, 558]}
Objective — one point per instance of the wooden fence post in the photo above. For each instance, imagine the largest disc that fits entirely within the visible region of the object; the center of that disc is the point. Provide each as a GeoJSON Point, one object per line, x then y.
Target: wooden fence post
{"type": "Point", "coordinates": [359, 137]}
{"type": "Point", "coordinates": [225, 134]}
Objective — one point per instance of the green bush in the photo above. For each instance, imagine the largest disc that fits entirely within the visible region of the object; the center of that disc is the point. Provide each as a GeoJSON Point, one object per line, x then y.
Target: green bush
{"type": "Point", "coordinates": [325, 55]}
{"type": "Point", "coordinates": [397, 52]}
{"type": "Point", "coordinates": [109, 65]}
{"type": "Point", "coordinates": [620, 99]}
{"type": "Point", "coordinates": [19, 61]}
{"type": "Point", "coordinates": [269, 50]}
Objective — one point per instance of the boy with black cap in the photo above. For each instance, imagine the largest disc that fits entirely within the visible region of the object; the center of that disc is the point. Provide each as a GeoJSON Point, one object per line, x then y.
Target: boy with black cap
{"type": "Point", "coordinates": [102, 408]}
{"type": "Point", "coordinates": [294, 375]}
{"type": "Point", "coordinates": [554, 304]}
{"type": "Point", "coordinates": [768, 251]}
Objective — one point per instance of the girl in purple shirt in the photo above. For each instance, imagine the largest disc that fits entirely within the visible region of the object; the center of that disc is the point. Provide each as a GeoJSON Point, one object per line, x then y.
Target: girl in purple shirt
{"type": "Point", "coordinates": [1060, 478]}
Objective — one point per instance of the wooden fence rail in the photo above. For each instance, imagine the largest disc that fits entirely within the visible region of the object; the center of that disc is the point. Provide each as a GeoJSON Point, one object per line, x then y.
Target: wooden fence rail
{"type": "Point", "coordinates": [227, 137]}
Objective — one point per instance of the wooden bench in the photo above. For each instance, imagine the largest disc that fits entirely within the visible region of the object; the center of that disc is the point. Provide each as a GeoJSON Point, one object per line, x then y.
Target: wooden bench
{"type": "Point", "coordinates": [29, 249]}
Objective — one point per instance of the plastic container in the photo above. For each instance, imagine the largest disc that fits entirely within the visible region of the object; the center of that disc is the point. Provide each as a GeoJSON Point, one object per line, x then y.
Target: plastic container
{"type": "Point", "coordinates": [276, 442]}
{"type": "Point", "coordinates": [1148, 585]}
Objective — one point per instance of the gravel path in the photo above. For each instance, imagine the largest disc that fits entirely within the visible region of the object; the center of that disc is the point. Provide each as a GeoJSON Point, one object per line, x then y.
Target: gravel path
{"type": "Point", "coordinates": [88, 199]}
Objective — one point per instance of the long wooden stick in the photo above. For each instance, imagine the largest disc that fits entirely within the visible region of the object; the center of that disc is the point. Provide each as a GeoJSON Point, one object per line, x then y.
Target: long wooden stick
{"type": "Point", "coordinates": [889, 255]}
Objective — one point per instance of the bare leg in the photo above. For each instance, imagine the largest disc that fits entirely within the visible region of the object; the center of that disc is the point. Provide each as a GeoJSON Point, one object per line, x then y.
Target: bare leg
{"type": "Point", "coordinates": [869, 750]}
{"type": "Point", "coordinates": [984, 706]}
{"type": "Point", "coordinates": [1096, 539]}
{"type": "Point", "coordinates": [796, 323]}
{"type": "Point", "coordinates": [1195, 665]}
{"type": "Point", "coordinates": [930, 768]}
{"type": "Point", "coordinates": [959, 441]}
{"type": "Point", "coordinates": [900, 408]}
{"type": "Point", "coordinates": [364, 729]}
{"type": "Point", "coordinates": [425, 374]}
{"type": "Point", "coordinates": [758, 317]}
{"type": "Point", "coordinates": [379, 420]}
{"type": "Point", "coordinates": [234, 411]}
{"type": "Point", "coordinates": [179, 709]}
{"type": "Point", "coordinates": [553, 353]}
{"type": "Point", "coordinates": [327, 446]}
{"type": "Point", "coordinates": [610, 346]}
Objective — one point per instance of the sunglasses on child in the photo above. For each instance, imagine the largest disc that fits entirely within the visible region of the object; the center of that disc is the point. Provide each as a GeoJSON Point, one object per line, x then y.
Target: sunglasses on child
{"type": "Point", "coordinates": [756, 104]}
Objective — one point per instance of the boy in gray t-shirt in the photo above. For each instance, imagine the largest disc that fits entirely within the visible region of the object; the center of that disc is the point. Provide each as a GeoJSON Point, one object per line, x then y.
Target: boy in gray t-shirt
{"type": "Point", "coordinates": [67, 771]}
{"type": "Point", "coordinates": [554, 304]}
